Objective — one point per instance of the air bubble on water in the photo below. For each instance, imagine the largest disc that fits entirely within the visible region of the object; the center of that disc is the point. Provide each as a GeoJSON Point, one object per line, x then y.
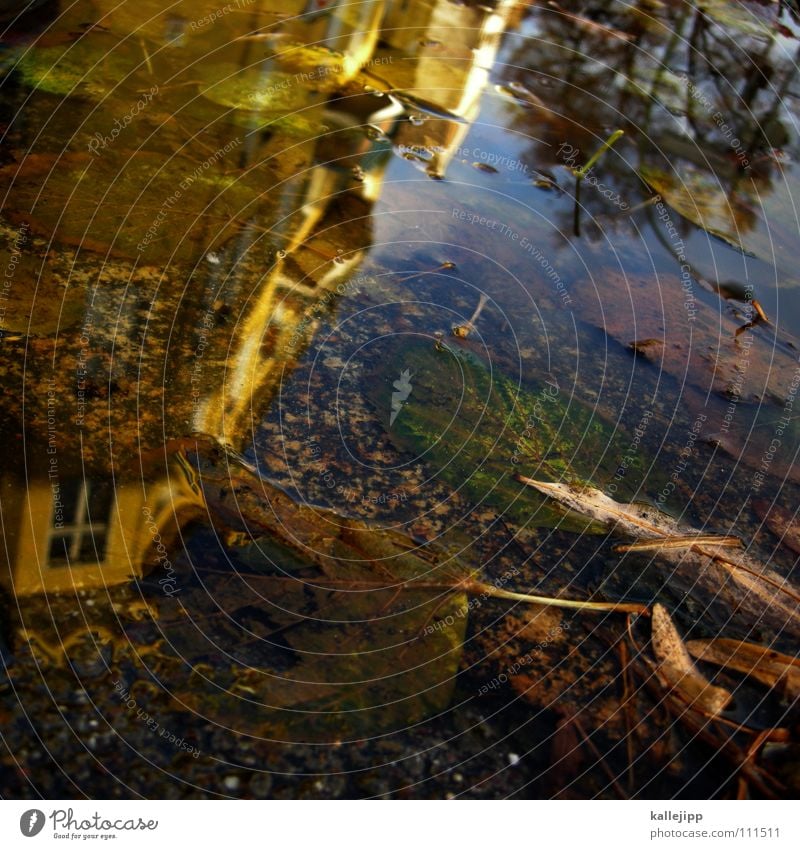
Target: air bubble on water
{"type": "Point", "coordinates": [375, 133]}
{"type": "Point", "coordinates": [212, 258]}
{"type": "Point", "coordinates": [280, 254]}
{"type": "Point", "coordinates": [358, 173]}
{"type": "Point", "coordinates": [417, 120]}
{"type": "Point", "coordinates": [339, 258]}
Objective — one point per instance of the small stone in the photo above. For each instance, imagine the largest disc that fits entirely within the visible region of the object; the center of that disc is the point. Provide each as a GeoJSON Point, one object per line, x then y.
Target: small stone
{"type": "Point", "coordinates": [513, 759]}
{"type": "Point", "coordinates": [231, 783]}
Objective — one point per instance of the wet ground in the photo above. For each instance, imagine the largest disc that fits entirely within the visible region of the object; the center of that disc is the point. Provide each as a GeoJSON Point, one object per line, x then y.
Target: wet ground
{"type": "Point", "coordinates": [291, 295]}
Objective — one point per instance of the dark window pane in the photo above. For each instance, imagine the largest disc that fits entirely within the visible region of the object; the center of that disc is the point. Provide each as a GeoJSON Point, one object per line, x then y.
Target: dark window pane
{"type": "Point", "coordinates": [59, 551]}
{"type": "Point", "coordinates": [93, 547]}
{"type": "Point", "coordinates": [99, 501]}
{"type": "Point", "coordinates": [65, 492]}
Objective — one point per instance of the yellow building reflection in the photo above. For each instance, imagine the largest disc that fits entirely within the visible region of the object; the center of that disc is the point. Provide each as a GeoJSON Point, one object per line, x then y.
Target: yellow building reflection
{"type": "Point", "coordinates": [94, 500]}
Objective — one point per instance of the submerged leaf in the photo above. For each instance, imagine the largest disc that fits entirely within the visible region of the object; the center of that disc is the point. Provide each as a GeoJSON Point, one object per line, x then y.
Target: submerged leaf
{"type": "Point", "coordinates": [323, 664]}
{"type": "Point", "coordinates": [744, 584]}
{"type": "Point", "coordinates": [677, 669]}
{"type": "Point", "coordinates": [762, 437]}
{"type": "Point", "coordinates": [360, 629]}
{"type": "Point", "coordinates": [699, 197]}
{"type": "Point", "coordinates": [776, 670]}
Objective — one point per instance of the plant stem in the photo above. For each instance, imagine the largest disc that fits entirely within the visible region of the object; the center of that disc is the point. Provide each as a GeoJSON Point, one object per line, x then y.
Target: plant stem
{"type": "Point", "coordinates": [612, 606]}
{"type": "Point", "coordinates": [581, 172]}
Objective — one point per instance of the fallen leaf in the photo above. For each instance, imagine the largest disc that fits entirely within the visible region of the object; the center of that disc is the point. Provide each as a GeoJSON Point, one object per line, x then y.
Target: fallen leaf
{"type": "Point", "coordinates": [135, 204]}
{"type": "Point", "coordinates": [776, 670]}
{"type": "Point", "coordinates": [744, 584]}
{"type": "Point", "coordinates": [237, 497]}
{"type": "Point", "coordinates": [677, 669]}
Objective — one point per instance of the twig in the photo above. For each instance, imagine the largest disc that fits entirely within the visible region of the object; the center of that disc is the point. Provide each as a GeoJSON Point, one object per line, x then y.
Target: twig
{"type": "Point", "coordinates": [463, 330]}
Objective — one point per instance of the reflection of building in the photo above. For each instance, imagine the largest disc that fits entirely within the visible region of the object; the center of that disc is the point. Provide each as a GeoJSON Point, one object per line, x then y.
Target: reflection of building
{"type": "Point", "coordinates": [67, 536]}
{"type": "Point", "coordinates": [77, 532]}
{"type": "Point", "coordinates": [445, 55]}
{"type": "Point", "coordinates": [147, 363]}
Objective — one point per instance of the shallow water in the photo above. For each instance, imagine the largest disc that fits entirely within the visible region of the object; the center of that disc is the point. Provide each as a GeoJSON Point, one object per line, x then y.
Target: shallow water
{"type": "Point", "coordinates": [349, 244]}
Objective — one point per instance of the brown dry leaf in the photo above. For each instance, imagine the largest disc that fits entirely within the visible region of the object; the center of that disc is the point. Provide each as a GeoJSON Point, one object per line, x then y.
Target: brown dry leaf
{"type": "Point", "coordinates": [749, 588]}
{"type": "Point", "coordinates": [776, 670]}
{"type": "Point", "coordinates": [700, 198]}
{"type": "Point", "coordinates": [677, 669]}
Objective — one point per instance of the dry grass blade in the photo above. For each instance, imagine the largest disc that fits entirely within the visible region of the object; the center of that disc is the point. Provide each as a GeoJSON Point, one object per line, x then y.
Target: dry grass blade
{"type": "Point", "coordinates": [677, 669]}
{"type": "Point", "coordinates": [680, 542]}
{"type": "Point", "coordinates": [776, 670]}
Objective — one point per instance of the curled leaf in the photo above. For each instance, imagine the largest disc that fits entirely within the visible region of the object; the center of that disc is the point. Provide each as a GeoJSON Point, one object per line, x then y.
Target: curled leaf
{"type": "Point", "coordinates": [776, 670]}
{"type": "Point", "coordinates": [677, 668]}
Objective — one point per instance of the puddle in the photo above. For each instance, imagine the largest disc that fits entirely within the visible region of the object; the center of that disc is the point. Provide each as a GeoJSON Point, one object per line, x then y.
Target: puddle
{"type": "Point", "coordinates": [345, 250]}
